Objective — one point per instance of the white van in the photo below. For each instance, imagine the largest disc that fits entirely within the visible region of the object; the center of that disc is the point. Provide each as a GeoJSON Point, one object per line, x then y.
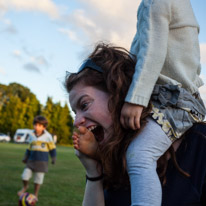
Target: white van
{"type": "Point", "coordinates": [22, 135]}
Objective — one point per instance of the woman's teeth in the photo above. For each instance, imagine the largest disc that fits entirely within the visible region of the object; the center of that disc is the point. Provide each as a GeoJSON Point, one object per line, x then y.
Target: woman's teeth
{"type": "Point", "coordinates": [91, 128]}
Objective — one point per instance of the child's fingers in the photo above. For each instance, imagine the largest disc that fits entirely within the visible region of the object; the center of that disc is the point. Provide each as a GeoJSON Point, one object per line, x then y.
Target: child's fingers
{"type": "Point", "coordinates": [122, 122]}
{"type": "Point", "coordinates": [132, 124]}
{"type": "Point", "coordinates": [137, 122]}
{"type": "Point", "coordinates": [126, 123]}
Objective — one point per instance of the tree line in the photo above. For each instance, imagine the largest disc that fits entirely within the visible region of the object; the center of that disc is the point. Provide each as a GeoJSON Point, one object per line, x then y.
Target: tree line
{"type": "Point", "coordinates": [19, 106]}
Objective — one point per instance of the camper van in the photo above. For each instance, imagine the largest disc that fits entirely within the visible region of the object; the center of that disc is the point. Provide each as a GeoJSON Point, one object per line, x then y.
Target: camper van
{"type": "Point", "coordinates": [22, 135]}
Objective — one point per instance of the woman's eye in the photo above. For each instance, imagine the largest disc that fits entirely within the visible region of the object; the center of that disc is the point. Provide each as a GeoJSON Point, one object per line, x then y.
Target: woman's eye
{"type": "Point", "coordinates": [84, 105]}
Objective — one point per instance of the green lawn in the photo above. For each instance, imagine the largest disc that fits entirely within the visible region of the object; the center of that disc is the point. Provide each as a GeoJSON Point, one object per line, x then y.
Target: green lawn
{"type": "Point", "coordinates": [63, 184]}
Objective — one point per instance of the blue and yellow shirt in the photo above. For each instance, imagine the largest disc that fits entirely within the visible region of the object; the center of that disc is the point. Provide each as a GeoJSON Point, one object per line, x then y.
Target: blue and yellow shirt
{"type": "Point", "coordinates": [38, 153]}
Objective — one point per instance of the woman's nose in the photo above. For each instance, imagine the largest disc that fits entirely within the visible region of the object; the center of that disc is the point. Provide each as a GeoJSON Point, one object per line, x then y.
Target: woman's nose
{"type": "Point", "coordinates": [79, 120]}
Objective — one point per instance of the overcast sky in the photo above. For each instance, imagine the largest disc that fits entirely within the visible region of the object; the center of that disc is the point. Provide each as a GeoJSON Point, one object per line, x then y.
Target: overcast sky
{"type": "Point", "coordinates": [41, 39]}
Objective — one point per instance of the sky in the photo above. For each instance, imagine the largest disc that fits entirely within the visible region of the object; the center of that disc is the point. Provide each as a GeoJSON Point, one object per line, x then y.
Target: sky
{"type": "Point", "coordinates": [42, 39]}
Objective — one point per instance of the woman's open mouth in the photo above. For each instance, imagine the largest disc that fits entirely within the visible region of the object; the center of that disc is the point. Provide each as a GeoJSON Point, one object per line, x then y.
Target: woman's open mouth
{"type": "Point", "coordinates": [98, 132]}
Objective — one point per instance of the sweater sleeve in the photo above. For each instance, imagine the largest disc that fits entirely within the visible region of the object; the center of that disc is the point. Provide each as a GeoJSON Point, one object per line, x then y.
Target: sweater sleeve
{"type": "Point", "coordinates": [52, 150]}
{"type": "Point", "coordinates": [150, 48]}
{"type": "Point", "coordinates": [26, 156]}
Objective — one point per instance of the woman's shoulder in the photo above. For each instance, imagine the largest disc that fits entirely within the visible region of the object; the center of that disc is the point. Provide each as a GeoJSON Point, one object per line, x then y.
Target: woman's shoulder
{"type": "Point", "coordinates": [192, 150]}
{"type": "Point", "coordinates": [191, 157]}
{"type": "Point", "coordinates": [196, 136]}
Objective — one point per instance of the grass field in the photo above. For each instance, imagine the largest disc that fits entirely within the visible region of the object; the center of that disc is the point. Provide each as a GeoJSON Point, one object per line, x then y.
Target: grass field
{"type": "Point", "coordinates": [63, 184]}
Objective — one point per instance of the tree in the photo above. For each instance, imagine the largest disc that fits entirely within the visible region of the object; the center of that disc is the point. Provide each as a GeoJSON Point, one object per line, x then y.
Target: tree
{"type": "Point", "coordinates": [19, 106]}
{"type": "Point", "coordinates": [60, 121]}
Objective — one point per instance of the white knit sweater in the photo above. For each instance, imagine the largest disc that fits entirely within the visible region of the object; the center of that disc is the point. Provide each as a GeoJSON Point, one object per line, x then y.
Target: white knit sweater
{"type": "Point", "coordinates": [167, 48]}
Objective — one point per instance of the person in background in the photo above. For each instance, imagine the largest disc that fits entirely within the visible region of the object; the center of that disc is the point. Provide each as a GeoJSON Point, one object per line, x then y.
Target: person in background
{"type": "Point", "coordinates": [37, 156]}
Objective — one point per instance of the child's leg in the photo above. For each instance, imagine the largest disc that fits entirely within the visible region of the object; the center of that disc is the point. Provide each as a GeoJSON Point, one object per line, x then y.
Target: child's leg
{"type": "Point", "coordinates": [142, 156]}
{"type": "Point", "coordinates": [85, 142]}
{"type": "Point", "coordinates": [38, 181]}
{"type": "Point", "coordinates": [26, 175]}
{"type": "Point", "coordinates": [36, 189]}
{"type": "Point", "coordinates": [24, 189]}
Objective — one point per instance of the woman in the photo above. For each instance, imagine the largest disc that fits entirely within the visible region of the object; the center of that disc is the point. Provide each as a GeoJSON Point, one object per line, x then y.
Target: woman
{"type": "Point", "coordinates": [97, 93]}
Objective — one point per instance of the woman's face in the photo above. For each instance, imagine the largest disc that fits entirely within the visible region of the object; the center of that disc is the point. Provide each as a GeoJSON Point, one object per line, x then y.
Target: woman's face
{"type": "Point", "coordinates": [91, 108]}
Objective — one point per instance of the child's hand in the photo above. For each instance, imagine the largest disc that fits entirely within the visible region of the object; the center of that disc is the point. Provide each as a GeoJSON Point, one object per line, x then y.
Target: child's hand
{"type": "Point", "coordinates": [130, 115]}
{"type": "Point", "coordinates": [24, 161]}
